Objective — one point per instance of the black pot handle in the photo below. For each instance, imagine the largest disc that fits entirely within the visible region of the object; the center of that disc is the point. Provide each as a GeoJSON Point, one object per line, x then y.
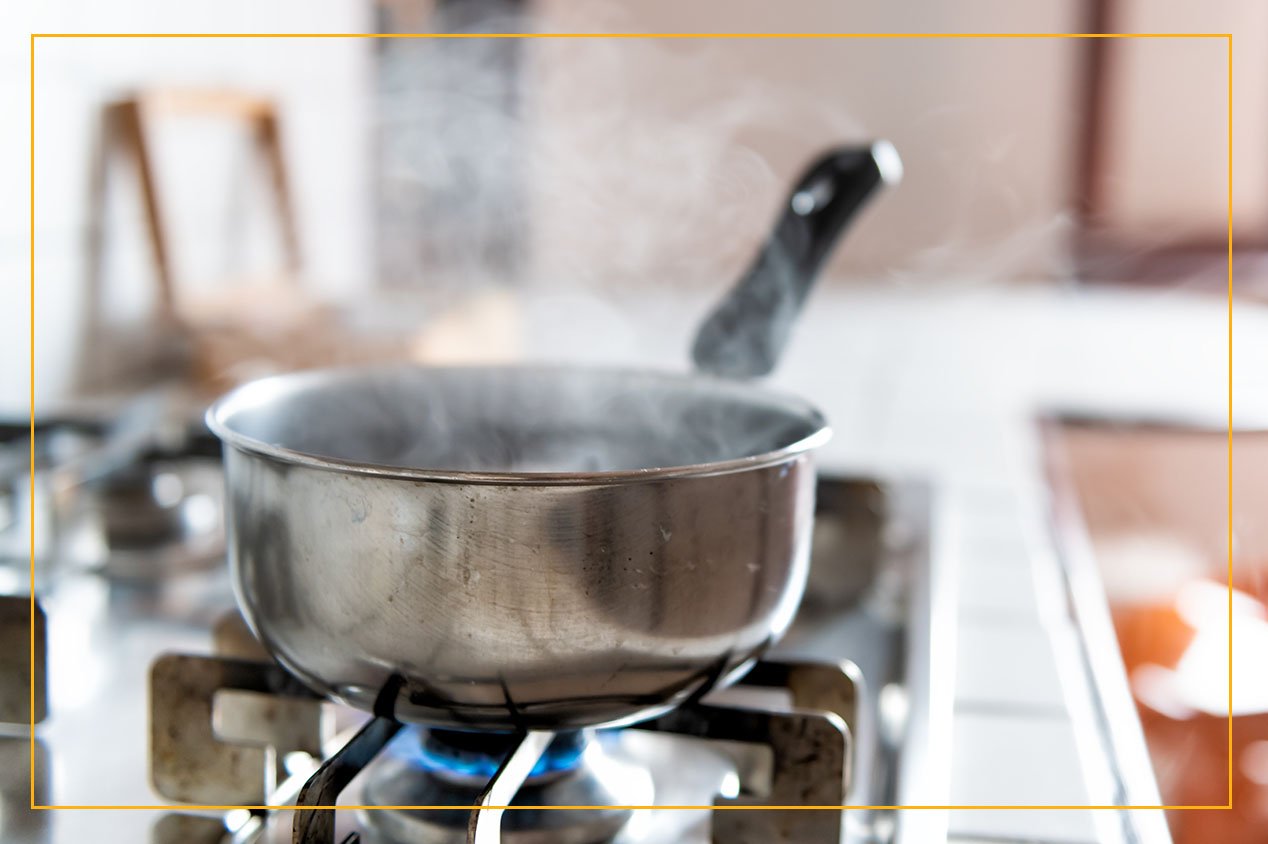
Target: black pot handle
{"type": "Point", "coordinates": [745, 334]}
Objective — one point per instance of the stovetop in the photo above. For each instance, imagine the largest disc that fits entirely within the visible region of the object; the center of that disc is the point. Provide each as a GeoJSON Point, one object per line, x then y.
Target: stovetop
{"type": "Point", "coordinates": [878, 597]}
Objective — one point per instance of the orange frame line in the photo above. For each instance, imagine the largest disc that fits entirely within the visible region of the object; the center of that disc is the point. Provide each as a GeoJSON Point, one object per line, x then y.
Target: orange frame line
{"type": "Point", "coordinates": [1228, 38]}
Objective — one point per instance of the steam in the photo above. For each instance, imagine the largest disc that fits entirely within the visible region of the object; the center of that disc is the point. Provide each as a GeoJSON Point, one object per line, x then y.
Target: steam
{"type": "Point", "coordinates": [517, 419]}
{"type": "Point", "coordinates": [594, 170]}
{"type": "Point", "coordinates": [597, 167]}
{"type": "Point", "coordinates": [588, 164]}
{"type": "Point", "coordinates": [961, 260]}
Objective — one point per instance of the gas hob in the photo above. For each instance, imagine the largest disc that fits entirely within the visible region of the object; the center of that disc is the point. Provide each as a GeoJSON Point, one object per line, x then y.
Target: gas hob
{"type": "Point", "coordinates": [159, 697]}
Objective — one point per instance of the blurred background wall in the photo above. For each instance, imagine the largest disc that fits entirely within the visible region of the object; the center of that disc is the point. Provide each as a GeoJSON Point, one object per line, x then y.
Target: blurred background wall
{"type": "Point", "coordinates": [218, 223]}
{"type": "Point", "coordinates": [620, 164]}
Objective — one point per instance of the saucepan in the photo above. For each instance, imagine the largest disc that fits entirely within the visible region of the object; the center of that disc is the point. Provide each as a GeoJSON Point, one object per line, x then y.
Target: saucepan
{"type": "Point", "coordinates": [540, 547]}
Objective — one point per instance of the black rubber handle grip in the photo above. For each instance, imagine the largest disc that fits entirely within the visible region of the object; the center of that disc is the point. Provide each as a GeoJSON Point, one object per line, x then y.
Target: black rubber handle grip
{"type": "Point", "coordinates": [744, 336]}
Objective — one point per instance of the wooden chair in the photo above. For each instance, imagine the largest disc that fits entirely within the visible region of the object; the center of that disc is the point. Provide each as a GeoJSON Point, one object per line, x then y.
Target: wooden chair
{"type": "Point", "coordinates": [238, 327]}
{"type": "Point", "coordinates": [241, 329]}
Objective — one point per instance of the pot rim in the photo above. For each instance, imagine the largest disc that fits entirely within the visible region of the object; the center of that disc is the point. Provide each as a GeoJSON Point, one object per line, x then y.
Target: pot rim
{"type": "Point", "coordinates": [276, 387]}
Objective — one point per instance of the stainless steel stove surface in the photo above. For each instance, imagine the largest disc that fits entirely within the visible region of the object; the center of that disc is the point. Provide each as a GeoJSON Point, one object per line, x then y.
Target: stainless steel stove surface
{"type": "Point", "coordinates": [158, 696]}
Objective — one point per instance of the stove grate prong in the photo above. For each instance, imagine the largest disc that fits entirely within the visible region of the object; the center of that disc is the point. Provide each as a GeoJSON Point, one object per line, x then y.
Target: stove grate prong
{"type": "Point", "coordinates": [485, 825]}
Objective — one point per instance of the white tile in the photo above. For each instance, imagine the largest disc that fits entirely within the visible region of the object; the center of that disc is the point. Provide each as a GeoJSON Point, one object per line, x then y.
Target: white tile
{"type": "Point", "coordinates": [997, 591]}
{"type": "Point", "coordinates": [1009, 760]}
{"type": "Point", "coordinates": [990, 512]}
{"type": "Point", "coordinates": [1007, 551]}
{"type": "Point", "coordinates": [1002, 665]}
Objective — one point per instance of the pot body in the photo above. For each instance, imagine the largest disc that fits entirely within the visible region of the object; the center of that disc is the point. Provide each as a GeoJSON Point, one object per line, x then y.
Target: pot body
{"type": "Point", "coordinates": [508, 602]}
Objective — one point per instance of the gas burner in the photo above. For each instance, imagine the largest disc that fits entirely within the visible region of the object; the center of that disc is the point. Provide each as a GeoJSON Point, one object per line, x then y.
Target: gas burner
{"type": "Point", "coordinates": [140, 497]}
{"type": "Point", "coordinates": [160, 516]}
{"type": "Point", "coordinates": [449, 768]}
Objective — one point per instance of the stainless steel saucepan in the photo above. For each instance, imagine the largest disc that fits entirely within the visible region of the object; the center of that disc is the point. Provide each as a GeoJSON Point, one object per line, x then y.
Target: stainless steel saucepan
{"type": "Point", "coordinates": [534, 548]}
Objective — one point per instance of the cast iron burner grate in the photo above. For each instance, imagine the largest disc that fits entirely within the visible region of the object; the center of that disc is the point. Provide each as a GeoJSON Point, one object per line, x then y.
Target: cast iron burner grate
{"type": "Point", "coordinates": [808, 764]}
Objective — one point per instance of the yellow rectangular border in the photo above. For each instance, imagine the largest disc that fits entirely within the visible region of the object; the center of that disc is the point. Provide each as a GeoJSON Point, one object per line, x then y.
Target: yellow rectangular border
{"type": "Point", "coordinates": [1228, 38]}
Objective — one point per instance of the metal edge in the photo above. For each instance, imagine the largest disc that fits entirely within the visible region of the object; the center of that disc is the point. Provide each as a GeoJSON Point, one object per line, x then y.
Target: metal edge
{"type": "Point", "coordinates": [1187, 421]}
{"type": "Point", "coordinates": [924, 776]}
{"type": "Point", "coordinates": [1114, 707]}
{"type": "Point", "coordinates": [217, 414]}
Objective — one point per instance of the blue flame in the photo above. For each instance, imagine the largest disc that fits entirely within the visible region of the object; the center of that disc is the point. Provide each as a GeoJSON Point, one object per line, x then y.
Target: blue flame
{"type": "Point", "coordinates": [563, 754]}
